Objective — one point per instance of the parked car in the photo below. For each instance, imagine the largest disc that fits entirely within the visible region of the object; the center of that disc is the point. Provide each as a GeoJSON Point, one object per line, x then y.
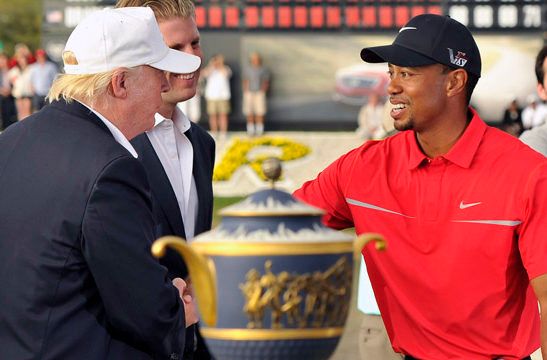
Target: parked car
{"type": "Point", "coordinates": [354, 84]}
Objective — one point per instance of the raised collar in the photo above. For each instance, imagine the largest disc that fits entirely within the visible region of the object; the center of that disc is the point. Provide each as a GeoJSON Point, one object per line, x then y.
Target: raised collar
{"type": "Point", "coordinates": [180, 120]}
{"type": "Point", "coordinates": [461, 153]}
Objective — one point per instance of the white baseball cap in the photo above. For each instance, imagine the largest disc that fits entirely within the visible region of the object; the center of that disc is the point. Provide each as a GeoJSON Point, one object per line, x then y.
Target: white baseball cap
{"type": "Point", "coordinates": [124, 37]}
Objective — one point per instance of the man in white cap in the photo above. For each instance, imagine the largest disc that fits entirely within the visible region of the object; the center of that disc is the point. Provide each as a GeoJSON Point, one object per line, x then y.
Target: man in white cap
{"type": "Point", "coordinates": [77, 277]}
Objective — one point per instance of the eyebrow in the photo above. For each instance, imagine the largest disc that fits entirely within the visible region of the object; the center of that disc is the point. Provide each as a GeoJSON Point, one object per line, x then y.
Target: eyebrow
{"type": "Point", "coordinates": [180, 46]}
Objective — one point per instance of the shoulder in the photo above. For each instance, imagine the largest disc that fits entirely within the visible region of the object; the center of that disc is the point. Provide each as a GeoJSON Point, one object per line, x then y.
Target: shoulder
{"type": "Point", "coordinates": [374, 154]}
{"type": "Point", "coordinates": [509, 152]}
{"type": "Point", "coordinates": [201, 133]}
{"type": "Point", "coordinates": [536, 138]}
{"type": "Point", "coordinates": [72, 125]}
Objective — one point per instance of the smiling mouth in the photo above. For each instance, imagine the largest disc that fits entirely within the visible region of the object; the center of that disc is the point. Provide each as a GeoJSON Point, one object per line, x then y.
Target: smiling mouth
{"type": "Point", "coordinates": [186, 76]}
{"type": "Point", "coordinates": [397, 110]}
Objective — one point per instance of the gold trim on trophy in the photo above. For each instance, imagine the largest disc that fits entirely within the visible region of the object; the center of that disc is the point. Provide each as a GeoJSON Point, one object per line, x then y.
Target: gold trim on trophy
{"type": "Point", "coordinates": [267, 249]}
{"type": "Point", "coordinates": [202, 273]}
{"type": "Point", "coordinates": [270, 334]}
{"type": "Point", "coordinates": [249, 213]}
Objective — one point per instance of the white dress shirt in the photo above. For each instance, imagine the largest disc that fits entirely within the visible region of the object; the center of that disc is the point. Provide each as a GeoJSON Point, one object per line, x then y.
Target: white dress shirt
{"type": "Point", "coordinates": [118, 135]}
{"type": "Point", "coordinates": [176, 154]}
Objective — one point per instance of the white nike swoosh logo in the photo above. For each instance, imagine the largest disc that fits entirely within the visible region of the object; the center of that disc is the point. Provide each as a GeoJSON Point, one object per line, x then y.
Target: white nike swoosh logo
{"type": "Point", "coordinates": [491, 222]}
{"type": "Point", "coordinates": [465, 206]}
{"type": "Point", "coordinates": [407, 28]}
{"type": "Point", "coordinates": [374, 207]}
{"type": "Point", "coordinates": [462, 206]}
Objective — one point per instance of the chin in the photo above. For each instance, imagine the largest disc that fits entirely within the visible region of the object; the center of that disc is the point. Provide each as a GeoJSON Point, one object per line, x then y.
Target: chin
{"type": "Point", "coordinates": [403, 125]}
{"type": "Point", "coordinates": [174, 97]}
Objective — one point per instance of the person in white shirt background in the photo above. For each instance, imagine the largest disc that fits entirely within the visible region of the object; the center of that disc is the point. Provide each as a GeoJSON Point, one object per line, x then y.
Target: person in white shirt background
{"type": "Point", "coordinates": [537, 137]}
{"type": "Point", "coordinates": [218, 95]}
{"type": "Point", "coordinates": [535, 113]}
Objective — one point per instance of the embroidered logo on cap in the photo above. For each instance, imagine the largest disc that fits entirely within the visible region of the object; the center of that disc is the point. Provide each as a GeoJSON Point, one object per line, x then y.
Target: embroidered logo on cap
{"type": "Point", "coordinates": [69, 58]}
{"type": "Point", "coordinates": [407, 28]}
{"type": "Point", "coordinates": [459, 60]}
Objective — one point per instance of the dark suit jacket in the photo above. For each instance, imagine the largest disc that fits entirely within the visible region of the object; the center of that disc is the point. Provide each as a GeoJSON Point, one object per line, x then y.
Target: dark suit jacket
{"type": "Point", "coordinates": [166, 208]}
{"type": "Point", "coordinates": [77, 280]}
{"type": "Point", "coordinates": [167, 211]}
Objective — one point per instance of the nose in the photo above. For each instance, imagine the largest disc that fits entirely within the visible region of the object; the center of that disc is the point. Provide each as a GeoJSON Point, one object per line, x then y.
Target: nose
{"type": "Point", "coordinates": [393, 86]}
{"type": "Point", "coordinates": [165, 86]}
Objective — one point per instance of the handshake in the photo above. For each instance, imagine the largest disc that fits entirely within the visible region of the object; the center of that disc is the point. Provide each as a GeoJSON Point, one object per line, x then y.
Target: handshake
{"type": "Point", "coordinates": [186, 293]}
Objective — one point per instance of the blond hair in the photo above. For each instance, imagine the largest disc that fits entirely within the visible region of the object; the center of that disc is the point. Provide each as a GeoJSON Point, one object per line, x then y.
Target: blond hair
{"type": "Point", "coordinates": [163, 9]}
{"type": "Point", "coordinates": [85, 88]}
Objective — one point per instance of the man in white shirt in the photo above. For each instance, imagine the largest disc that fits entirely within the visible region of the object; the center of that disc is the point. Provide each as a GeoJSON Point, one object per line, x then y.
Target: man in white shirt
{"type": "Point", "coordinates": [177, 154]}
{"type": "Point", "coordinates": [537, 137]}
{"type": "Point", "coordinates": [534, 114]}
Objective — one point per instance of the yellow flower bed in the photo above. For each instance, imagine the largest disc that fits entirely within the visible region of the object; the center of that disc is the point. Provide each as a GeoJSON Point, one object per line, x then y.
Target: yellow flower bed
{"type": "Point", "coordinates": [236, 155]}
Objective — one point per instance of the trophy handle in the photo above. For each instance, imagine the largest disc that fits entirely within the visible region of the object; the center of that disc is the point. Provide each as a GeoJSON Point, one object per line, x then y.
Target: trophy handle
{"type": "Point", "coordinates": [202, 274]}
{"type": "Point", "coordinates": [364, 239]}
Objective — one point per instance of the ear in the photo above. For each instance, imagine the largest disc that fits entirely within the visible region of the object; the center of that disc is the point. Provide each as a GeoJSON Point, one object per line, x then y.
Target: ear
{"type": "Point", "coordinates": [456, 82]}
{"type": "Point", "coordinates": [542, 92]}
{"type": "Point", "coordinates": [118, 84]}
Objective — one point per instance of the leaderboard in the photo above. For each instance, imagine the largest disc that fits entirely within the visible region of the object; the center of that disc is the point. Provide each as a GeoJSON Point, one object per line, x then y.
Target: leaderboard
{"type": "Point", "coordinates": [314, 15]}
{"type": "Point", "coordinates": [330, 15]}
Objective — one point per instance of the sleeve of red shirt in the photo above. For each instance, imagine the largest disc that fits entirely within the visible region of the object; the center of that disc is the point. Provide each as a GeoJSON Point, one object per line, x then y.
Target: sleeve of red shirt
{"type": "Point", "coordinates": [327, 192]}
{"type": "Point", "coordinates": [533, 233]}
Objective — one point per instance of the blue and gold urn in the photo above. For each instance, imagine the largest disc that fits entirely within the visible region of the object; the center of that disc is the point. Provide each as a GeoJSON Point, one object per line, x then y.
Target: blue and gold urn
{"type": "Point", "coordinates": [271, 281]}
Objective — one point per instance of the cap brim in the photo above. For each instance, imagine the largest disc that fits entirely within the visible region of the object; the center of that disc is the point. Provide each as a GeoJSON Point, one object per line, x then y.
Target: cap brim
{"type": "Point", "coordinates": [178, 62]}
{"type": "Point", "coordinates": [396, 55]}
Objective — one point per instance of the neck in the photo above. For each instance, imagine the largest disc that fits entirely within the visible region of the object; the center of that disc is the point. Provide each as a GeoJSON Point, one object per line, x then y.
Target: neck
{"type": "Point", "coordinates": [439, 140]}
{"type": "Point", "coordinates": [113, 111]}
{"type": "Point", "coordinates": [167, 110]}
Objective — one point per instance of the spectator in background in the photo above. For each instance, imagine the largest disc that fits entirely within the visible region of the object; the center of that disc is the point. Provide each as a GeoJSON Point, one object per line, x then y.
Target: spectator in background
{"type": "Point", "coordinates": [8, 114]}
{"type": "Point", "coordinates": [21, 50]}
{"type": "Point", "coordinates": [218, 95]}
{"type": "Point", "coordinates": [192, 106]}
{"type": "Point", "coordinates": [512, 118]}
{"type": "Point", "coordinates": [21, 86]}
{"type": "Point", "coordinates": [256, 81]}
{"type": "Point", "coordinates": [537, 137]}
{"type": "Point", "coordinates": [534, 114]}
{"type": "Point", "coordinates": [42, 74]}
{"type": "Point", "coordinates": [370, 119]}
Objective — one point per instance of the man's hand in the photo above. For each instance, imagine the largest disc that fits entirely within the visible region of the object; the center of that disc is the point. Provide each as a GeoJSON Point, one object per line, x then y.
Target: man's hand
{"type": "Point", "coordinates": [186, 294]}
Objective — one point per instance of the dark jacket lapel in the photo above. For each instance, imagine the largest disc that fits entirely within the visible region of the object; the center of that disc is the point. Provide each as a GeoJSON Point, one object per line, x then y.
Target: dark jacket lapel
{"type": "Point", "coordinates": [161, 187]}
{"type": "Point", "coordinates": [202, 171]}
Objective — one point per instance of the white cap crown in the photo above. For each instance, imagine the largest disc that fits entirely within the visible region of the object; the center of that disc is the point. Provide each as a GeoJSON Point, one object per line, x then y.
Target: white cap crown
{"type": "Point", "coordinates": [124, 37]}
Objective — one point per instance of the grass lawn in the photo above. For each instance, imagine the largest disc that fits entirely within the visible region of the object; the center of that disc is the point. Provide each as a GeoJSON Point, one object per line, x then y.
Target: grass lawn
{"type": "Point", "coordinates": [219, 203]}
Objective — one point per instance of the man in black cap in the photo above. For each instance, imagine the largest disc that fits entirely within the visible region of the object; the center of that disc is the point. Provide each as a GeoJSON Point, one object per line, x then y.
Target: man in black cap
{"type": "Point", "coordinates": [462, 206]}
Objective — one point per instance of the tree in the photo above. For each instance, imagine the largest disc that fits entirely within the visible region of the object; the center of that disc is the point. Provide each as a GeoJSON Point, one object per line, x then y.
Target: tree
{"type": "Point", "coordinates": [20, 22]}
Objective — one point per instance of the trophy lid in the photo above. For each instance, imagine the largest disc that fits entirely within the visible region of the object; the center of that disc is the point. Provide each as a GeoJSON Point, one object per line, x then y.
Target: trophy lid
{"type": "Point", "coordinates": [272, 215]}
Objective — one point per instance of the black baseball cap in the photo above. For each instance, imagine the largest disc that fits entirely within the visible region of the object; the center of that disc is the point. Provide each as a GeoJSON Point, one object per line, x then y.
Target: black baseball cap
{"type": "Point", "coordinates": [430, 39]}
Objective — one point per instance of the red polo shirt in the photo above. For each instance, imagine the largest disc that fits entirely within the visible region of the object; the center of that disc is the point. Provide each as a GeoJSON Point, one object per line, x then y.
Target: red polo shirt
{"type": "Point", "coordinates": [466, 232]}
